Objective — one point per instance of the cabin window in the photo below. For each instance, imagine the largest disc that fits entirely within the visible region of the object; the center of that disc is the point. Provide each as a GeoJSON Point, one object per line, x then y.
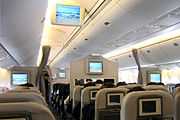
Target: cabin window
{"type": "Point", "coordinates": [128, 76]}
{"type": "Point", "coordinates": [171, 76]}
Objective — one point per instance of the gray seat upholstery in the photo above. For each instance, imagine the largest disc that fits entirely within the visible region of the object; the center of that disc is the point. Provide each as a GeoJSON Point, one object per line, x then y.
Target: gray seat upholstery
{"type": "Point", "coordinates": [36, 111]}
{"type": "Point", "coordinates": [129, 86]}
{"type": "Point", "coordinates": [103, 109]}
{"type": "Point", "coordinates": [25, 89]}
{"type": "Point", "coordinates": [86, 97]}
{"type": "Point", "coordinates": [177, 103]}
{"type": "Point", "coordinates": [156, 87]}
{"type": "Point", "coordinates": [22, 97]}
{"type": "Point", "coordinates": [144, 105]}
{"type": "Point", "coordinates": [77, 95]}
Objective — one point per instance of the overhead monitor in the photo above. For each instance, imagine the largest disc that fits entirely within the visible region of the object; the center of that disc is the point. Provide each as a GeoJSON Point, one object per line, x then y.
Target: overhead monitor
{"type": "Point", "coordinates": [155, 77]}
{"type": "Point", "coordinates": [95, 67]}
{"type": "Point", "coordinates": [150, 107]}
{"type": "Point", "coordinates": [19, 78]}
{"type": "Point", "coordinates": [114, 99]}
{"type": "Point", "coordinates": [93, 94]}
{"type": "Point", "coordinates": [68, 14]}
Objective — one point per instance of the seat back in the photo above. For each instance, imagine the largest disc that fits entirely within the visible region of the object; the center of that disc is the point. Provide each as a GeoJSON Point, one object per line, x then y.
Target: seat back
{"type": "Point", "coordinates": [30, 110]}
{"type": "Point", "coordinates": [76, 107]}
{"type": "Point", "coordinates": [177, 103]}
{"type": "Point", "coordinates": [88, 98]}
{"type": "Point", "coordinates": [147, 105]}
{"type": "Point", "coordinates": [22, 97]}
{"type": "Point", "coordinates": [156, 87]}
{"type": "Point", "coordinates": [26, 89]}
{"type": "Point", "coordinates": [77, 95]}
{"type": "Point", "coordinates": [108, 103]}
{"type": "Point", "coordinates": [130, 86]}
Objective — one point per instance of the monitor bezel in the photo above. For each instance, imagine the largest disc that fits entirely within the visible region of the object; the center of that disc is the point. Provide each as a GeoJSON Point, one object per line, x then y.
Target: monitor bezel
{"type": "Point", "coordinates": [114, 104]}
{"type": "Point", "coordinates": [28, 77]}
{"type": "Point", "coordinates": [159, 110]}
{"type": "Point", "coordinates": [95, 73]}
{"type": "Point", "coordinates": [154, 72]}
{"type": "Point", "coordinates": [54, 22]}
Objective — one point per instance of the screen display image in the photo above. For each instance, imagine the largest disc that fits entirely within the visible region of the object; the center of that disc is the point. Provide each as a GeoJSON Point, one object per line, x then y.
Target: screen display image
{"type": "Point", "coordinates": [93, 95]}
{"type": "Point", "coordinates": [19, 78]}
{"type": "Point", "coordinates": [95, 67]}
{"type": "Point", "coordinates": [148, 106]}
{"type": "Point", "coordinates": [155, 77]}
{"type": "Point", "coordinates": [62, 75]}
{"type": "Point", "coordinates": [67, 14]}
{"type": "Point", "coordinates": [114, 98]}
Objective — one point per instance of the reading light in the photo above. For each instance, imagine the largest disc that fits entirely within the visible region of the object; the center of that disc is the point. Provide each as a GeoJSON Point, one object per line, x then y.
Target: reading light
{"type": "Point", "coordinates": [106, 23]}
{"type": "Point", "coordinates": [86, 39]}
{"type": "Point", "coordinates": [158, 39]}
{"type": "Point", "coordinates": [176, 44]}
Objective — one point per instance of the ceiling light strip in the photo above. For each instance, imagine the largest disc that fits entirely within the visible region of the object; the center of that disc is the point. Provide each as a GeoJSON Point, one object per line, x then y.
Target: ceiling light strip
{"type": "Point", "coordinates": [130, 50]}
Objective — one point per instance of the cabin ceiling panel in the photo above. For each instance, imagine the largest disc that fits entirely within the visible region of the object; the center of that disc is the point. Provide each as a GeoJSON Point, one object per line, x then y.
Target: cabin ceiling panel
{"type": "Point", "coordinates": [22, 28]}
{"type": "Point", "coordinates": [125, 18]}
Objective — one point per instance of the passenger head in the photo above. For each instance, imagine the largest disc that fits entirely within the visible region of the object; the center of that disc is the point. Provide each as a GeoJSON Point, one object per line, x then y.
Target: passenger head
{"type": "Point", "coordinates": [138, 88]}
{"type": "Point", "coordinates": [121, 84]}
{"type": "Point", "coordinates": [155, 83]}
{"type": "Point", "coordinates": [88, 80]}
{"type": "Point", "coordinates": [88, 84]}
{"type": "Point", "coordinates": [99, 82]}
{"type": "Point", "coordinates": [177, 85]}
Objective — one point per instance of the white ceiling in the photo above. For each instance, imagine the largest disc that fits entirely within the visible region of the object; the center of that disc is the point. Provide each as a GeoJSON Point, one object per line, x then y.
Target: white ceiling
{"type": "Point", "coordinates": [22, 28]}
{"type": "Point", "coordinates": [125, 16]}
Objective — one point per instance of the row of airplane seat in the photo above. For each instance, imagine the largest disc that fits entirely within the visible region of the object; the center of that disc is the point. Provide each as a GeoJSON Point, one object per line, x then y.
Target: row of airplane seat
{"type": "Point", "coordinates": [126, 102]}
{"type": "Point", "coordinates": [24, 103]}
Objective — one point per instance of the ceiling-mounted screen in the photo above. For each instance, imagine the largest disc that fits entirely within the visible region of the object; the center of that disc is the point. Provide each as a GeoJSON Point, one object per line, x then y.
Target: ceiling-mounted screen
{"type": "Point", "coordinates": [19, 78]}
{"type": "Point", "coordinates": [155, 77]}
{"type": "Point", "coordinates": [68, 14]}
{"type": "Point", "coordinates": [95, 67]}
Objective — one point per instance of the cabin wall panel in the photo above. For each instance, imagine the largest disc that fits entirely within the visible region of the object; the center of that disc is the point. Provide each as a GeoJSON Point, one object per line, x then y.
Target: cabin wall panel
{"type": "Point", "coordinates": [5, 77]}
{"type": "Point", "coordinates": [78, 71]}
{"type": "Point", "coordinates": [31, 70]}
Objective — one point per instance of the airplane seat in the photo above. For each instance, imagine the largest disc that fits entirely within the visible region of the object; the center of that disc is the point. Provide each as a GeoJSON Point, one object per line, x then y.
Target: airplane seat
{"type": "Point", "coordinates": [22, 97]}
{"type": "Point", "coordinates": [25, 89]}
{"type": "Point", "coordinates": [177, 89]}
{"type": "Point", "coordinates": [108, 103]}
{"type": "Point", "coordinates": [130, 86]}
{"type": "Point", "coordinates": [25, 111]}
{"type": "Point", "coordinates": [88, 97]}
{"type": "Point", "coordinates": [147, 105]}
{"type": "Point", "coordinates": [177, 104]}
{"type": "Point", "coordinates": [76, 107]}
{"type": "Point", "coordinates": [156, 87]}
{"type": "Point", "coordinates": [120, 84]}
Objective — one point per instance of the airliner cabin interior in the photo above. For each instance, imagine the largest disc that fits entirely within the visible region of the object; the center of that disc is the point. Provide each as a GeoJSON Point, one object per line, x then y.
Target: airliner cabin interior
{"type": "Point", "coordinates": [89, 59]}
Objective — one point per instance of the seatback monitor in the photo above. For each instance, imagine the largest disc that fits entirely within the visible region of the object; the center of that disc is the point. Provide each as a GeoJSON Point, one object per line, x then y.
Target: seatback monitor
{"type": "Point", "coordinates": [19, 78]}
{"type": "Point", "coordinates": [114, 98]}
{"type": "Point", "coordinates": [150, 107]}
